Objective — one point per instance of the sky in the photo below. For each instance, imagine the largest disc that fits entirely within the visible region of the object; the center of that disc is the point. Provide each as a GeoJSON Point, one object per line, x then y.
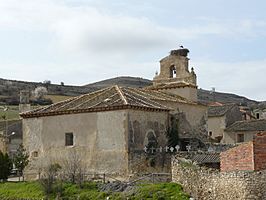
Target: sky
{"type": "Point", "coordinates": [83, 41]}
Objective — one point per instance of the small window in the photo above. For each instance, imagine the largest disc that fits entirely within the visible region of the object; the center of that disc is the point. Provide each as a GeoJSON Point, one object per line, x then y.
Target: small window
{"type": "Point", "coordinates": [240, 138]}
{"type": "Point", "coordinates": [35, 154]}
{"type": "Point", "coordinates": [210, 133]}
{"type": "Point", "coordinates": [257, 115]}
{"type": "Point", "coordinates": [69, 139]}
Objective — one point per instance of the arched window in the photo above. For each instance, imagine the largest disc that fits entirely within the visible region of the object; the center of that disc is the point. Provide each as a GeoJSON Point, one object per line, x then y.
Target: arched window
{"type": "Point", "coordinates": [172, 71]}
{"type": "Point", "coordinates": [150, 140]}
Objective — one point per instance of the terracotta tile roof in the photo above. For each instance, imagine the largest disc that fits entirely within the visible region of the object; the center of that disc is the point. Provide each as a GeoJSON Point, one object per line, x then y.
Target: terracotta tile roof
{"type": "Point", "coordinates": [111, 98]}
{"type": "Point", "coordinates": [248, 125]}
{"type": "Point", "coordinates": [216, 111]}
{"type": "Point", "coordinates": [201, 157]}
{"type": "Point", "coordinates": [206, 158]}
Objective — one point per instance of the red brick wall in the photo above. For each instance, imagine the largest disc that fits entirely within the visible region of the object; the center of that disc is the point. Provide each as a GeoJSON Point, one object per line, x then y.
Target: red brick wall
{"type": "Point", "coordinates": [239, 158]}
{"type": "Point", "coordinates": [260, 151]}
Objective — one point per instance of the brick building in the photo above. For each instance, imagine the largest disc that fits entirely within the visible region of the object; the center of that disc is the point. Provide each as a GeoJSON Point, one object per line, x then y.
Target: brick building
{"type": "Point", "coordinates": [249, 156]}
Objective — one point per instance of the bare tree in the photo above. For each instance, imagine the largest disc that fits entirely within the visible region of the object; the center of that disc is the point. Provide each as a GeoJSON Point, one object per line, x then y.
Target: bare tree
{"type": "Point", "coordinates": [48, 177]}
{"type": "Point", "coordinates": [74, 166]}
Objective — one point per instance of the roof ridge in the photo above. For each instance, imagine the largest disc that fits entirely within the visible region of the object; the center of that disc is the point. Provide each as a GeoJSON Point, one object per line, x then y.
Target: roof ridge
{"type": "Point", "coordinates": [100, 92]}
{"type": "Point", "coordinates": [121, 94]}
{"type": "Point", "coordinates": [135, 91]}
{"type": "Point", "coordinates": [175, 97]}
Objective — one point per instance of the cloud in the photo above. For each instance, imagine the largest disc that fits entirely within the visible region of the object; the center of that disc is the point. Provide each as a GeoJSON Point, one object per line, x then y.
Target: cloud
{"type": "Point", "coordinates": [243, 78]}
{"type": "Point", "coordinates": [85, 28]}
{"type": "Point", "coordinates": [90, 44]}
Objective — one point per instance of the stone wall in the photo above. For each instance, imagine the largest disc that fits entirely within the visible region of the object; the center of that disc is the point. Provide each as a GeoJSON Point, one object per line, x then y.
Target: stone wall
{"type": "Point", "coordinates": [99, 139]}
{"type": "Point", "coordinates": [147, 129]}
{"type": "Point", "coordinates": [110, 142]}
{"type": "Point", "coordinates": [233, 115]}
{"type": "Point", "coordinates": [204, 184]}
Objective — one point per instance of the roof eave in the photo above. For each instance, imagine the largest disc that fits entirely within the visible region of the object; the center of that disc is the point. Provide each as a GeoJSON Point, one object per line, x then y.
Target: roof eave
{"type": "Point", "coordinates": [100, 109]}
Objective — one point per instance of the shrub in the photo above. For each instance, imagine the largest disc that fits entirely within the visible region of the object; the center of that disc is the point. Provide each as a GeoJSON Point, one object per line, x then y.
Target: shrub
{"type": "Point", "coordinates": [5, 166]}
{"type": "Point", "coordinates": [21, 159]}
{"type": "Point", "coordinates": [48, 178]}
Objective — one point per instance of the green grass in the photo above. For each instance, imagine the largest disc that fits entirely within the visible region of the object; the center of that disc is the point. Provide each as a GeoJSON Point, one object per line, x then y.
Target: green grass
{"type": "Point", "coordinates": [22, 190]}
{"type": "Point", "coordinates": [57, 98]}
{"type": "Point", "coordinates": [160, 191]}
{"type": "Point", "coordinates": [33, 191]}
{"type": "Point", "coordinates": [12, 113]}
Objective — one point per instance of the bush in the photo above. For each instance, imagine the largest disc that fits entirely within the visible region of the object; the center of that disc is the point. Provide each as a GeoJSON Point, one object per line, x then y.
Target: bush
{"type": "Point", "coordinates": [21, 159]}
{"type": "Point", "coordinates": [42, 102]}
{"type": "Point", "coordinates": [48, 179]}
{"type": "Point", "coordinates": [5, 166]}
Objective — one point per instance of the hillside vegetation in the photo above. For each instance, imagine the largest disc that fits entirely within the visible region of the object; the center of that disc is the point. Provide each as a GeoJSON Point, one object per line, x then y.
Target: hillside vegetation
{"type": "Point", "coordinates": [9, 90]}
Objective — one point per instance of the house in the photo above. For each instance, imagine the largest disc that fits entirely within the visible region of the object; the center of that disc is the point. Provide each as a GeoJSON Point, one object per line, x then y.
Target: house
{"type": "Point", "coordinates": [220, 117]}
{"type": "Point", "coordinates": [117, 130]}
{"type": "Point", "coordinates": [251, 158]}
{"type": "Point", "coordinates": [243, 131]}
{"type": "Point", "coordinates": [259, 111]}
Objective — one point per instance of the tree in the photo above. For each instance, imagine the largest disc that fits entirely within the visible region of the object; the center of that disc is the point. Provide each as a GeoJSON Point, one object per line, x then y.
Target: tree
{"type": "Point", "coordinates": [74, 166]}
{"type": "Point", "coordinates": [48, 177]}
{"type": "Point", "coordinates": [47, 83]}
{"type": "Point", "coordinates": [173, 138]}
{"type": "Point", "coordinates": [5, 166]}
{"type": "Point", "coordinates": [39, 92]}
{"type": "Point", "coordinates": [21, 159]}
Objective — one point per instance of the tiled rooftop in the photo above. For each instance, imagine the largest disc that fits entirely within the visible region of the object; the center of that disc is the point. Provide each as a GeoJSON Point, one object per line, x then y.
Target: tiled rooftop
{"type": "Point", "coordinates": [248, 125]}
{"type": "Point", "coordinates": [215, 111]}
{"type": "Point", "coordinates": [110, 98]}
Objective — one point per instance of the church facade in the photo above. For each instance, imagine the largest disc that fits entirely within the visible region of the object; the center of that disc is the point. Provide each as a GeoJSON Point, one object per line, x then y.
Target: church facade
{"type": "Point", "coordinates": [117, 130]}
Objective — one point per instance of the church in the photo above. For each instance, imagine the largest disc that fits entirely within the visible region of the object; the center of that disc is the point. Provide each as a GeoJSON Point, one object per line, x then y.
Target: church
{"type": "Point", "coordinates": [118, 130]}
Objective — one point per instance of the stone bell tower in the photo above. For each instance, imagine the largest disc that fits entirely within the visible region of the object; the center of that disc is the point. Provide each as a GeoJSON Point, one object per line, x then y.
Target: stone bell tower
{"type": "Point", "coordinates": [175, 76]}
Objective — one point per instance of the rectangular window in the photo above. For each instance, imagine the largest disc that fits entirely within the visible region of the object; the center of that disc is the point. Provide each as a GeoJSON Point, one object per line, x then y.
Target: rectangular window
{"type": "Point", "coordinates": [239, 138]}
{"type": "Point", "coordinates": [35, 154]}
{"type": "Point", "coordinates": [69, 139]}
{"type": "Point", "coordinates": [210, 133]}
{"type": "Point", "coordinates": [257, 115]}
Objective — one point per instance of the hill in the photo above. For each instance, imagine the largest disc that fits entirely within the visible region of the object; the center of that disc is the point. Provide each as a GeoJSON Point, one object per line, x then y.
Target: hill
{"type": "Point", "coordinates": [204, 96]}
{"type": "Point", "coordinates": [9, 90]}
{"type": "Point", "coordinates": [125, 81]}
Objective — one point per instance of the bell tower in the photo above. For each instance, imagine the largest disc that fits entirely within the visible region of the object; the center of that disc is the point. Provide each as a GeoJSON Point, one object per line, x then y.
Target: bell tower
{"type": "Point", "coordinates": [175, 76]}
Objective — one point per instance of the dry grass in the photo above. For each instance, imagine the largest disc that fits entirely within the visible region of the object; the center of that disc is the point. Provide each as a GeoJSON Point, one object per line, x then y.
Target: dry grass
{"type": "Point", "coordinates": [57, 98]}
